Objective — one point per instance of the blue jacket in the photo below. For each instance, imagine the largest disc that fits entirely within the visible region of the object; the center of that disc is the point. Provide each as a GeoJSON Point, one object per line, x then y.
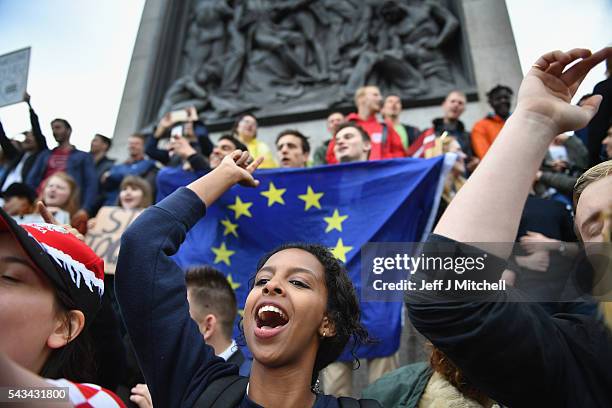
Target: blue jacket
{"type": "Point", "coordinates": [80, 167]}
{"type": "Point", "coordinates": [177, 364]}
{"type": "Point", "coordinates": [118, 172]}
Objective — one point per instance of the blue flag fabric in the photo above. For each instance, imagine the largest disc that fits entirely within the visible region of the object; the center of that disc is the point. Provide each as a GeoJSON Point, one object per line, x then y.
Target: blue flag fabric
{"type": "Point", "coordinates": [170, 179]}
{"type": "Point", "coordinates": [342, 207]}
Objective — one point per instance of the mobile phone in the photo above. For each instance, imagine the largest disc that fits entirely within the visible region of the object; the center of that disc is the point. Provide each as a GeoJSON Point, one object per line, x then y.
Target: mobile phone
{"type": "Point", "coordinates": [179, 116]}
{"type": "Point", "coordinates": [177, 131]}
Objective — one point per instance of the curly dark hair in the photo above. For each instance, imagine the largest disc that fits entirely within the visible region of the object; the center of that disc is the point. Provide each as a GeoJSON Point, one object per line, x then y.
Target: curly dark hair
{"type": "Point", "coordinates": [440, 363]}
{"type": "Point", "coordinates": [342, 306]}
{"type": "Point", "coordinates": [498, 88]}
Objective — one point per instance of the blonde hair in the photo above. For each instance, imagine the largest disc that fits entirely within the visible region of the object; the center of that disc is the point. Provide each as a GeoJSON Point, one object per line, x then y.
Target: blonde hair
{"type": "Point", "coordinates": [456, 91]}
{"type": "Point", "coordinates": [73, 202]}
{"type": "Point", "coordinates": [140, 184]}
{"type": "Point", "coordinates": [593, 174]}
{"type": "Point", "coordinates": [441, 145]}
{"type": "Point", "coordinates": [453, 182]}
{"type": "Point", "coordinates": [360, 92]}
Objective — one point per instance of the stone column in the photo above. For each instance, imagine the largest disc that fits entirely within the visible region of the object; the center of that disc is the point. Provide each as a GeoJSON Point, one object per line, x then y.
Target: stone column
{"type": "Point", "coordinates": [139, 73]}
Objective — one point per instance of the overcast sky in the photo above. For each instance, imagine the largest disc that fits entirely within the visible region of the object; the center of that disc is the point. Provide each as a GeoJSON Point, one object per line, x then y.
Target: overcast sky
{"type": "Point", "coordinates": [81, 52]}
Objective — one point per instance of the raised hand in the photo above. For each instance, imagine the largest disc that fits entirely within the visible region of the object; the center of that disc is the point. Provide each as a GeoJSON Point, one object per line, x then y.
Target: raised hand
{"type": "Point", "coordinates": [48, 217]}
{"type": "Point", "coordinates": [192, 114]}
{"type": "Point", "coordinates": [181, 147]}
{"type": "Point", "coordinates": [241, 165]}
{"type": "Point", "coordinates": [164, 123]}
{"type": "Point", "coordinates": [236, 168]}
{"type": "Point", "coordinates": [548, 88]}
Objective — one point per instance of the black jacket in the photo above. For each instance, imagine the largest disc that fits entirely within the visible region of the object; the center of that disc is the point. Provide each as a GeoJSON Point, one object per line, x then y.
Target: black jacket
{"type": "Point", "coordinates": [601, 121]}
{"type": "Point", "coordinates": [459, 132]}
{"type": "Point", "coordinates": [14, 155]}
{"type": "Point", "coordinates": [514, 351]}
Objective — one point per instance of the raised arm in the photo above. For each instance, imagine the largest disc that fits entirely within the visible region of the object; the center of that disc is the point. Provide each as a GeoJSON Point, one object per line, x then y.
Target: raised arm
{"type": "Point", "coordinates": [10, 151]}
{"type": "Point", "coordinates": [153, 152]}
{"type": "Point", "coordinates": [41, 141]}
{"type": "Point", "coordinates": [509, 348]}
{"type": "Point", "coordinates": [543, 111]}
{"type": "Point", "coordinates": [151, 291]}
{"type": "Point", "coordinates": [90, 181]}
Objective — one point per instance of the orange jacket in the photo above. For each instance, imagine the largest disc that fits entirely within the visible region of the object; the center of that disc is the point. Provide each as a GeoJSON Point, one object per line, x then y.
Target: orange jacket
{"type": "Point", "coordinates": [484, 133]}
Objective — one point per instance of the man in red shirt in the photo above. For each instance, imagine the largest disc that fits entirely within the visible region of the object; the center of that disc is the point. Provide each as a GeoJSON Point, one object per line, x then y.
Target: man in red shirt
{"type": "Point", "coordinates": [78, 164]}
{"type": "Point", "coordinates": [386, 143]}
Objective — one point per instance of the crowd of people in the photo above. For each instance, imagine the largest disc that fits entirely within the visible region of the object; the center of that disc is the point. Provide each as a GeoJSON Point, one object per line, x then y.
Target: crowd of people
{"type": "Point", "coordinates": [156, 335]}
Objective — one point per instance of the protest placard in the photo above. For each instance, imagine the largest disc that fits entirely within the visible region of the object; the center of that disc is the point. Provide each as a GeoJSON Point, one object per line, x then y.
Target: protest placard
{"type": "Point", "coordinates": [105, 237]}
{"type": "Point", "coordinates": [14, 76]}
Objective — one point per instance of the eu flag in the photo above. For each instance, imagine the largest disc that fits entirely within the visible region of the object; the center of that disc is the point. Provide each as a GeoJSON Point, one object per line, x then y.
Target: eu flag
{"type": "Point", "coordinates": [342, 207]}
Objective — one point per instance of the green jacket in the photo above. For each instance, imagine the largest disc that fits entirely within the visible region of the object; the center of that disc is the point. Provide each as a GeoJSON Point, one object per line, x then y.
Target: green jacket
{"type": "Point", "coordinates": [401, 388]}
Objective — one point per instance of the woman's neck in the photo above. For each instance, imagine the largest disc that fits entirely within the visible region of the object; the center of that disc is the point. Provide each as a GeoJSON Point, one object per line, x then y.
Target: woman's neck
{"type": "Point", "coordinates": [246, 138]}
{"type": "Point", "coordinates": [286, 386]}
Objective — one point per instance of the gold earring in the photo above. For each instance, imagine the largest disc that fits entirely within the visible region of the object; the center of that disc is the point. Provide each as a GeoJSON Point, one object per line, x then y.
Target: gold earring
{"type": "Point", "coordinates": [324, 333]}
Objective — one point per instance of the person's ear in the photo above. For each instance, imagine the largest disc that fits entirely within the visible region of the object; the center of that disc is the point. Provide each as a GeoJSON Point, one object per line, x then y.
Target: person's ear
{"type": "Point", "coordinates": [210, 326]}
{"type": "Point", "coordinates": [327, 328]}
{"type": "Point", "coordinates": [67, 328]}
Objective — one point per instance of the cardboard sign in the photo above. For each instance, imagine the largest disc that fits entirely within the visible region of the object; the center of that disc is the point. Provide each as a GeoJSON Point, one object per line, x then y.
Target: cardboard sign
{"type": "Point", "coordinates": [105, 237]}
{"type": "Point", "coordinates": [14, 76]}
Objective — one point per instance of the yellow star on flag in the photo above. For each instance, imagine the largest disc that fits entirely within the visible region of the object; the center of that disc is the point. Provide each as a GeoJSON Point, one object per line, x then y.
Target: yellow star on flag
{"type": "Point", "coordinates": [230, 228]}
{"type": "Point", "coordinates": [230, 280]}
{"type": "Point", "coordinates": [339, 251]}
{"type": "Point", "coordinates": [311, 199]}
{"type": "Point", "coordinates": [222, 254]}
{"type": "Point", "coordinates": [240, 208]}
{"type": "Point", "coordinates": [335, 221]}
{"type": "Point", "coordinates": [274, 195]}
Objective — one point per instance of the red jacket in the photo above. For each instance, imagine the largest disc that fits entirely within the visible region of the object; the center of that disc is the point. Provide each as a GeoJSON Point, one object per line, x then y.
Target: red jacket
{"type": "Point", "coordinates": [390, 148]}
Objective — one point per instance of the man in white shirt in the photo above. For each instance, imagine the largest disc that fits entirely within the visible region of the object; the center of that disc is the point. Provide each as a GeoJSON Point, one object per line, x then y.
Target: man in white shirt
{"type": "Point", "coordinates": [213, 306]}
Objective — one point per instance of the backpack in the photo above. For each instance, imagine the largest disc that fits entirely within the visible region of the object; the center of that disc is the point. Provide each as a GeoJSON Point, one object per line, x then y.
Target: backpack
{"type": "Point", "coordinates": [229, 391]}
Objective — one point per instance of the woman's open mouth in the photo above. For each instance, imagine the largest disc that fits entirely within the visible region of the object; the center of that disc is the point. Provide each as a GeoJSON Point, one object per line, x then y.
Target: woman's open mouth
{"type": "Point", "coordinates": [270, 320]}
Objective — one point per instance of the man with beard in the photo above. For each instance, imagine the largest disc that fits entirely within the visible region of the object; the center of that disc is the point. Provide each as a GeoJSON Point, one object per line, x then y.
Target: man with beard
{"type": "Point", "coordinates": [453, 107]}
{"type": "Point", "coordinates": [78, 164]}
{"type": "Point", "coordinates": [485, 130]}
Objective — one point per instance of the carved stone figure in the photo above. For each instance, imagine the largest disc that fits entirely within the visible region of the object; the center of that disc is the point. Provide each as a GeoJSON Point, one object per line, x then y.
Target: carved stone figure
{"type": "Point", "coordinates": [207, 33]}
{"type": "Point", "coordinates": [424, 29]}
{"type": "Point", "coordinates": [290, 55]}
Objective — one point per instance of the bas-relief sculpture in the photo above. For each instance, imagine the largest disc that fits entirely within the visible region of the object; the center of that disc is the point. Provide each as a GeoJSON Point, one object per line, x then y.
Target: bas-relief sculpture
{"type": "Point", "coordinates": [271, 57]}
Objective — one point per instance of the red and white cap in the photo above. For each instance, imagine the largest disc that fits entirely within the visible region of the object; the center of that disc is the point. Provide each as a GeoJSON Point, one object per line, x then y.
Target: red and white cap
{"type": "Point", "coordinates": [73, 268]}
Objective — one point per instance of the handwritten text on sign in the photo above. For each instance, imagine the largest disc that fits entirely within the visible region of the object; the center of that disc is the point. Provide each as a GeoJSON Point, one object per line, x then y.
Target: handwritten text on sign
{"type": "Point", "coordinates": [105, 237]}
